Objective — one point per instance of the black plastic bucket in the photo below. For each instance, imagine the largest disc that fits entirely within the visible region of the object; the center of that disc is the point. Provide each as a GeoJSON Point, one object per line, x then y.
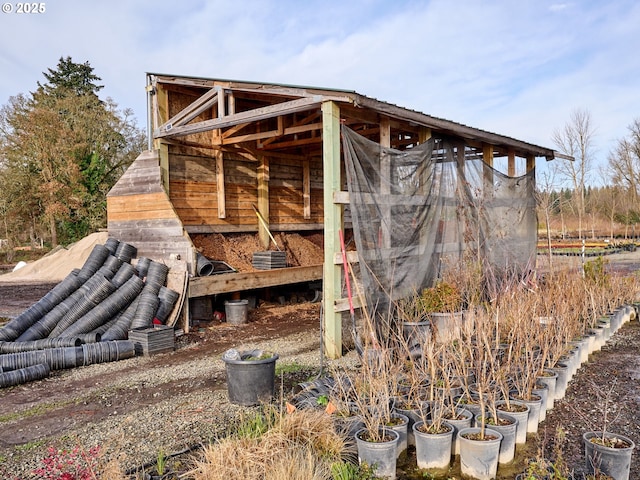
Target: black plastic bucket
{"type": "Point", "coordinates": [250, 382]}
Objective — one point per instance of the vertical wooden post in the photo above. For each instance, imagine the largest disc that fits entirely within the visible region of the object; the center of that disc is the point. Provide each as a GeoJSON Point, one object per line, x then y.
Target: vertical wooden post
{"type": "Point", "coordinates": [531, 163]}
{"type": "Point", "coordinates": [424, 134]}
{"type": "Point", "coordinates": [487, 156]}
{"type": "Point", "coordinates": [161, 111]}
{"type": "Point", "coordinates": [332, 334]}
{"type": "Point", "coordinates": [163, 153]}
{"type": "Point", "coordinates": [511, 166]}
{"type": "Point", "coordinates": [221, 107]}
{"type": "Point", "coordinates": [385, 188]}
{"type": "Point", "coordinates": [263, 199]}
{"type": "Point", "coordinates": [162, 115]}
{"type": "Point", "coordinates": [222, 205]}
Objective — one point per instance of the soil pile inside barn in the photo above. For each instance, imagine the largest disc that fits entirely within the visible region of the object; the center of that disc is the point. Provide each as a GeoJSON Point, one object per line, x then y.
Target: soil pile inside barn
{"type": "Point", "coordinates": [303, 249]}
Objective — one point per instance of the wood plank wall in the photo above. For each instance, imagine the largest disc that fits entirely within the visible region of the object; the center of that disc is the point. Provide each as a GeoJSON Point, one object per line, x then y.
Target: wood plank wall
{"type": "Point", "coordinates": [193, 192]}
{"type": "Point", "coordinates": [139, 212]}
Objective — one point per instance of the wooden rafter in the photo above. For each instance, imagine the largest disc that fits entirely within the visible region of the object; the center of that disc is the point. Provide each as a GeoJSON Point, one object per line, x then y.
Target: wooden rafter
{"type": "Point", "coordinates": [191, 111]}
{"type": "Point", "coordinates": [255, 115]}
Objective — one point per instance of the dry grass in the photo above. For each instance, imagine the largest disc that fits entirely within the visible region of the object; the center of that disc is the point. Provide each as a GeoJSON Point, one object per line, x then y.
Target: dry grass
{"type": "Point", "coordinates": [301, 445]}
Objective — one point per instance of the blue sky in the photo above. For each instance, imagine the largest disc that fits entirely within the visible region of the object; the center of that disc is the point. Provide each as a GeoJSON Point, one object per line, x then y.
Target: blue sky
{"type": "Point", "coordinates": [517, 68]}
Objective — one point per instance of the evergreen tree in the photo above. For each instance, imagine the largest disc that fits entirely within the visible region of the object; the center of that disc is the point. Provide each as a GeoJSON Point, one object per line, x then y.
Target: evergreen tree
{"type": "Point", "coordinates": [61, 150]}
{"type": "Point", "coordinates": [70, 78]}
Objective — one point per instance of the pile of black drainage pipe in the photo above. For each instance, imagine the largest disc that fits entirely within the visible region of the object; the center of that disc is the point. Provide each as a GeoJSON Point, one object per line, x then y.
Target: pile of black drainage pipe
{"type": "Point", "coordinates": [86, 318]}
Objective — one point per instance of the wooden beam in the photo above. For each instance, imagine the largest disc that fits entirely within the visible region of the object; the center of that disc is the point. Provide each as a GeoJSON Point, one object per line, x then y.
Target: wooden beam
{"type": "Point", "coordinates": [235, 282]}
{"type": "Point", "coordinates": [192, 110]}
{"type": "Point", "coordinates": [352, 257]}
{"type": "Point", "coordinates": [332, 284]}
{"type": "Point", "coordinates": [306, 189]}
{"type": "Point", "coordinates": [255, 115]}
{"type": "Point", "coordinates": [263, 199]}
{"type": "Point", "coordinates": [341, 198]}
{"type": "Point", "coordinates": [232, 102]}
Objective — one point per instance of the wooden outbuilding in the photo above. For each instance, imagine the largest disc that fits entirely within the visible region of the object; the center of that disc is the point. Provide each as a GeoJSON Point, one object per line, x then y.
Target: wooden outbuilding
{"type": "Point", "coordinates": [218, 148]}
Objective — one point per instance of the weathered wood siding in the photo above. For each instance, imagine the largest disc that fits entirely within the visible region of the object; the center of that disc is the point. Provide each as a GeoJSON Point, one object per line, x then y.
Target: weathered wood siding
{"type": "Point", "coordinates": [194, 192]}
{"type": "Point", "coordinates": [139, 212]}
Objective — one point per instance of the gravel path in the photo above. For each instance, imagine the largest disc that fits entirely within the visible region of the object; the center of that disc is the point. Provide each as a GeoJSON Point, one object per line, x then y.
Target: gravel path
{"type": "Point", "coordinates": [138, 407]}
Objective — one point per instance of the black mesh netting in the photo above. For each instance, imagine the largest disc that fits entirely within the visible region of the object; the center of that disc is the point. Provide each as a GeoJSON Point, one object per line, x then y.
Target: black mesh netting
{"type": "Point", "coordinates": [419, 211]}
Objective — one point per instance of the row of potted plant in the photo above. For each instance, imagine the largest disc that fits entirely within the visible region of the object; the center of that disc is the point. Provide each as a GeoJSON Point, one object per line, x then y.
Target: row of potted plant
{"type": "Point", "coordinates": [480, 380]}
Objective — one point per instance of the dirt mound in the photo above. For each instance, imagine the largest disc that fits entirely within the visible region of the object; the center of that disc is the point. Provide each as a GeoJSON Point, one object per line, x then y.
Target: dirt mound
{"type": "Point", "coordinates": [237, 249]}
{"type": "Point", "coordinates": [57, 265]}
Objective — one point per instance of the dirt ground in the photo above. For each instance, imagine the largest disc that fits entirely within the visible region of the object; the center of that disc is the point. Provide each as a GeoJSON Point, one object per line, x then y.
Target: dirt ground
{"type": "Point", "coordinates": [35, 414]}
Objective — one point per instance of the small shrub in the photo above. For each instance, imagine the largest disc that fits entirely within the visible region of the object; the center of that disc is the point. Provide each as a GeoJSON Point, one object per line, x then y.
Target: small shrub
{"type": "Point", "coordinates": [442, 297]}
{"type": "Point", "coordinates": [76, 464]}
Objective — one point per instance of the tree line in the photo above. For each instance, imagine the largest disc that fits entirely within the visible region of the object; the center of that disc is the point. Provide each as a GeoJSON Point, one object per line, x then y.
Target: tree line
{"type": "Point", "coordinates": [62, 148]}
{"type": "Point", "coordinates": [566, 192]}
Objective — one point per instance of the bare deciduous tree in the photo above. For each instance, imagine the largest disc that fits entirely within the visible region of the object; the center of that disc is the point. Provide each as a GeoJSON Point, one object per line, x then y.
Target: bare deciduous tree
{"type": "Point", "coordinates": [624, 164]}
{"type": "Point", "coordinates": [576, 139]}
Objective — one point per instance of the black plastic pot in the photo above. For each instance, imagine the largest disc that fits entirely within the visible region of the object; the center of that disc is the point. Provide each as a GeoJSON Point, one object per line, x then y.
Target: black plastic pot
{"type": "Point", "coordinates": [156, 276]}
{"type": "Point", "coordinates": [107, 351]}
{"type": "Point", "coordinates": [33, 314]}
{"type": "Point", "coordinates": [204, 267]}
{"type": "Point", "coordinates": [126, 252]}
{"type": "Point", "coordinates": [111, 244]}
{"type": "Point", "coordinates": [168, 299]}
{"type": "Point", "coordinates": [16, 347]}
{"type": "Point", "coordinates": [147, 306]}
{"type": "Point", "coordinates": [120, 329]}
{"type": "Point", "coordinates": [93, 262]}
{"type": "Point", "coordinates": [92, 293]}
{"type": "Point", "coordinates": [142, 266]}
{"type": "Point", "coordinates": [107, 309]}
{"type": "Point", "coordinates": [24, 375]}
{"type": "Point", "coordinates": [55, 358]}
{"type": "Point", "coordinates": [123, 274]}
{"type": "Point", "coordinates": [112, 263]}
{"type": "Point", "coordinates": [250, 382]}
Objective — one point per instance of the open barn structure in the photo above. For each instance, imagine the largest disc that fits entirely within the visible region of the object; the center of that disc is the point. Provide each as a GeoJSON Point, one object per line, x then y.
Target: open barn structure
{"type": "Point", "coordinates": [218, 148]}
